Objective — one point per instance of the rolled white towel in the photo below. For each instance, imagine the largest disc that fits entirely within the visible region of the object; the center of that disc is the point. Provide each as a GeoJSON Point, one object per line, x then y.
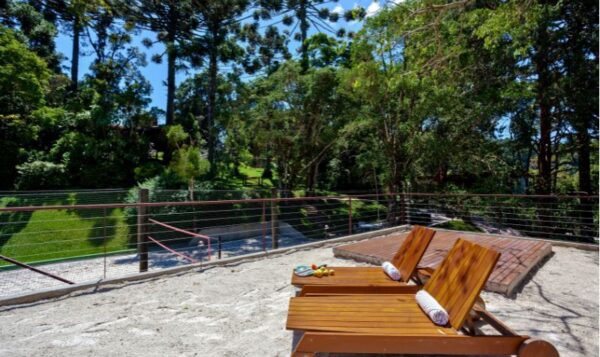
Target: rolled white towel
{"type": "Point", "coordinates": [391, 271]}
{"type": "Point", "coordinates": [432, 308]}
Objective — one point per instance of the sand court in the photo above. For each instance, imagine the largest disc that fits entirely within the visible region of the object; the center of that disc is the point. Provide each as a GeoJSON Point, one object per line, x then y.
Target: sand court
{"type": "Point", "coordinates": [240, 310]}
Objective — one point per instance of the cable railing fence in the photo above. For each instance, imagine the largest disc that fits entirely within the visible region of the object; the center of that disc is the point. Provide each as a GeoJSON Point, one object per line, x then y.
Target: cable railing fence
{"type": "Point", "coordinates": [146, 230]}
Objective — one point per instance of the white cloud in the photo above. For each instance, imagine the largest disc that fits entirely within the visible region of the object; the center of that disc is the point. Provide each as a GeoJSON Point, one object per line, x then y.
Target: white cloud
{"type": "Point", "coordinates": [373, 8]}
{"type": "Point", "coordinates": [338, 10]}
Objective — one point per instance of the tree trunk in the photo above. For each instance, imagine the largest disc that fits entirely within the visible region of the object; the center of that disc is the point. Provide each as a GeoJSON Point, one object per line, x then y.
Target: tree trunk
{"type": "Point", "coordinates": [582, 69]}
{"type": "Point", "coordinates": [391, 198]}
{"type": "Point", "coordinates": [283, 179]}
{"type": "Point", "coordinates": [541, 61]}
{"type": "Point", "coordinates": [583, 153]}
{"type": "Point", "coordinates": [75, 54]}
{"type": "Point", "coordinates": [191, 188]}
{"type": "Point", "coordinates": [171, 58]}
{"type": "Point", "coordinates": [170, 85]}
{"type": "Point", "coordinates": [441, 174]}
{"type": "Point", "coordinates": [303, 16]}
{"type": "Point", "coordinates": [555, 169]}
{"type": "Point", "coordinates": [526, 170]}
{"type": "Point", "coordinates": [212, 99]}
{"type": "Point", "coordinates": [310, 185]}
{"type": "Point", "coordinates": [583, 115]}
{"type": "Point", "coordinates": [588, 229]}
{"type": "Point", "coordinates": [316, 175]}
{"type": "Point", "coordinates": [394, 186]}
{"type": "Point", "coordinates": [312, 176]}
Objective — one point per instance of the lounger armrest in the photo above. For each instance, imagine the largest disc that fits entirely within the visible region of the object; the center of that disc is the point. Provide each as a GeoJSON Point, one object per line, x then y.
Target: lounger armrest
{"type": "Point", "coordinates": [325, 290]}
{"type": "Point", "coordinates": [494, 322]}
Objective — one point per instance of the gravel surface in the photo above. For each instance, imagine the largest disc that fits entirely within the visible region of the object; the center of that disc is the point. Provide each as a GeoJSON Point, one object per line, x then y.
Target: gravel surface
{"type": "Point", "coordinates": [240, 310]}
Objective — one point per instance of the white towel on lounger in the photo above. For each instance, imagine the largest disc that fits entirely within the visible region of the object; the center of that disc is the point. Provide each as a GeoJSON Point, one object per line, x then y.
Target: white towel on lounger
{"type": "Point", "coordinates": [432, 308]}
{"type": "Point", "coordinates": [391, 271]}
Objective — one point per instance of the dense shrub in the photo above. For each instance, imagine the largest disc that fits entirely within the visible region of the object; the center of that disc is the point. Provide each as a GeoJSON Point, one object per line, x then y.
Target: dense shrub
{"type": "Point", "coordinates": [40, 175]}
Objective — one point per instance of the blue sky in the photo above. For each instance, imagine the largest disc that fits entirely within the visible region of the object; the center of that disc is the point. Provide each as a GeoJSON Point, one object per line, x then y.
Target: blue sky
{"type": "Point", "coordinates": [157, 74]}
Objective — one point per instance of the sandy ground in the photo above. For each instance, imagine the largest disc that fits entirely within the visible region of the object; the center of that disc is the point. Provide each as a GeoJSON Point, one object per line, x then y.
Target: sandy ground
{"type": "Point", "coordinates": [23, 281]}
{"type": "Point", "coordinates": [240, 311]}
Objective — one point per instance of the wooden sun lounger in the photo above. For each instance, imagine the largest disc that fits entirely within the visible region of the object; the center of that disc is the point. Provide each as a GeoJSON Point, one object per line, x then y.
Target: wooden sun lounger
{"type": "Point", "coordinates": [406, 260]}
{"type": "Point", "coordinates": [395, 324]}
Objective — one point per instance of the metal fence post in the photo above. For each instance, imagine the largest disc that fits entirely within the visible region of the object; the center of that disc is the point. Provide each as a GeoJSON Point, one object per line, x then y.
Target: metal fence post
{"type": "Point", "coordinates": [142, 222]}
{"type": "Point", "coordinates": [274, 223]}
{"type": "Point", "coordinates": [401, 208]}
{"type": "Point", "coordinates": [104, 233]}
{"type": "Point", "coordinates": [264, 226]}
{"type": "Point", "coordinates": [219, 241]}
{"type": "Point", "coordinates": [586, 218]}
{"type": "Point", "coordinates": [350, 215]}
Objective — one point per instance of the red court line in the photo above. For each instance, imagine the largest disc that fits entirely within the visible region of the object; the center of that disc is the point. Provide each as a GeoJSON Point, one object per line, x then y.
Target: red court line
{"type": "Point", "coordinates": [173, 251]}
{"type": "Point", "coordinates": [206, 238]}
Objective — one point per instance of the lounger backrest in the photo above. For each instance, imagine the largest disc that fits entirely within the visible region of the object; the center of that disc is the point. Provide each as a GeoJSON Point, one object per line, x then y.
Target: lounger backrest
{"type": "Point", "coordinates": [457, 282]}
{"type": "Point", "coordinates": [411, 251]}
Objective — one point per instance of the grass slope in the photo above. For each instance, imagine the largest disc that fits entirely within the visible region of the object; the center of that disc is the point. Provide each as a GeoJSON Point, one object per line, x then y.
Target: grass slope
{"type": "Point", "coordinates": [53, 234]}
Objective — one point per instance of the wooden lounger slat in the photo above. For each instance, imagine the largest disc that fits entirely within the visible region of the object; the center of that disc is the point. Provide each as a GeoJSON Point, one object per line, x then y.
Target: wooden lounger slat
{"type": "Point", "coordinates": [362, 313]}
{"type": "Point", "coordinates": [407, 331]}
{"type": "Point", "coordinates": [386, 314]}
{"type": "Point", "coordinates": [413, 324]}
{"type": "Point", "coordinates": [405, 259]}
{"type": "Point", "coordinates": [312, 290]}
{"type": "Point", "coordinates": [412, 344]}
{"type": "Point", "coordinates": [458, 281]}
{"type": "Point", "coordinates": [411, 251]}
{"type": "Point", "coordinates": [394, 323]}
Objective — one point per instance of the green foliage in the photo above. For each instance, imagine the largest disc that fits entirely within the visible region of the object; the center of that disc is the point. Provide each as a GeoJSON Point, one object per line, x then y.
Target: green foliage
{"type": "Point", "coordinates": [296, 119]}
{"type": "Point", "coordinates": [302, 15]}
{"type": "Point", "coordinates": [41, 174]}
{"type": "Point", "coordinates": [429, 95]}
{"type": "Point", "coordinates": [36, 29]}
{"type": "Point", "coordinates": [397, 103]}
{"type": "Point", "coordinates": [23, 76]}
{"type": "Point", "coordinates": [176, 136]}
{"type": "Point", "coordinates": [326, 51]}
{"type": "Point", "coordinates": [188, 164]}
{"type": "Point", "coordinates": [147, 171]}
{"type": "Point", "coordinates": [93, 161]}
{"type": "Point", "coordinates": [459, 225]}
{"type": "Point", "coordinates": [15, 135]}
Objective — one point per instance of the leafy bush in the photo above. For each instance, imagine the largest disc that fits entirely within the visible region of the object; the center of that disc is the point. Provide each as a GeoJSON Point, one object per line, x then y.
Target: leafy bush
{"type": "Point", "coordinates": [148, 170]}
{"type": "Point", "coordinates": [99, 160]}
{"type": "Point", "coordinates": [40, 174]}
{"type": "Point", "coordinates": [23, 76]}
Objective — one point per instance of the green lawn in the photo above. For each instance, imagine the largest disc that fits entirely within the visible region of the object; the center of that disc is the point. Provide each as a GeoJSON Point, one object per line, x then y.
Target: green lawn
{"type": "Point", "coordinates": [251, 171]}
{"type": "Point", "coordinates": [59, 234]}
{"type": "Point", "coordinates": [252, 175]}
{"type": "Point", "coordinates": [54, 234]}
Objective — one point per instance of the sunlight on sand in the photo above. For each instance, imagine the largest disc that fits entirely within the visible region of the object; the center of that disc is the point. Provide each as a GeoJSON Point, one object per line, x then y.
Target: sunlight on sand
{"type": "Point", "coordinates": [241, 310]}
